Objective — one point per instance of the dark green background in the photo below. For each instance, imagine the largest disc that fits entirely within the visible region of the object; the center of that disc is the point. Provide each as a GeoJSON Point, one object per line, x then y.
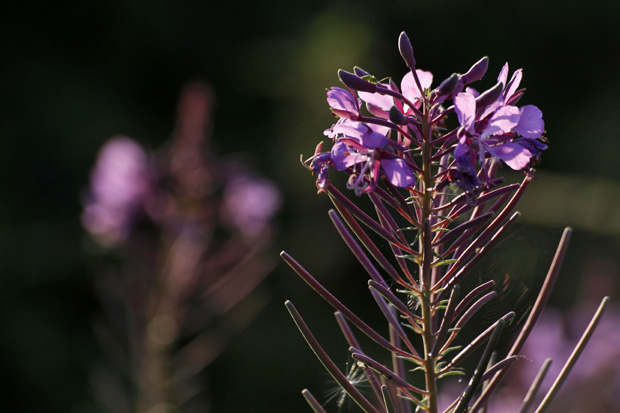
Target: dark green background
{"type": "Point", "coordinates": [75, 73]}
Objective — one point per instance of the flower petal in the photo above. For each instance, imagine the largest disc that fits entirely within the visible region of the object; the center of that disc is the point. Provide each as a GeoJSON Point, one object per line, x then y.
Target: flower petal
{"type": "Point", "coordinates": [512, 86]}
{"type": "Point", "coordinates": [465, 108]}
{"type": "Point", "coordinates": [343, 157]}
{"type": "Point", "coordinates": [531, 124]}
{"type": "Point", "coordinates": [381, 130]}
{"type": "Point", "coordinates": [503, 75]}
{"type": "Point", "coordinates": [398, 172]}
{"type": "Point", "coordinates": [410, 88]}
{"type": "Point", "coordinates": [503, 120]}
{"type": "Point", "coordinates": [377, 104]}
{"type": "Point", "coordinates": [513, 154]}
{"type": "Point", "coordinates": [343, 103]}
{"type": "Point", "coordinates": [472, 91]}
{"type": "Point", "coordinates": [365, 135]}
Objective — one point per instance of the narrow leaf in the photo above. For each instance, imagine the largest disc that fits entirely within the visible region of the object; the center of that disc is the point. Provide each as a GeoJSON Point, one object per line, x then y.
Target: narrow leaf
{"type": "Point", "coordinates": [316, 406]}
{"type": "Point", "coordinates": [329, 365]}
{"type": "Point", "coordinates": [533, 391]}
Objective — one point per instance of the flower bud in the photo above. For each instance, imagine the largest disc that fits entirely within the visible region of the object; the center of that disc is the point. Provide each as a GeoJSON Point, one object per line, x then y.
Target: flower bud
{"type": "Point", "coordinates": [490, 96]}
{"type": "Point", "coordinates": [448, 86]}
{"type": "Point", "coordinates": [406, 50]}
{"type": "Point", "coordinates": [476, 72]}
{"type": "Point", "coordinates": [355, 82]}
{"type": "Point", "coordinates": [397, 116]}
{"type": "Point", "coordinates": [360, 72]}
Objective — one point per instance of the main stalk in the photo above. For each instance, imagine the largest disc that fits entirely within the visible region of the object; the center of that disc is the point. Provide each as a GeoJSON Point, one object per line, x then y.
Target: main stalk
{"type": "Point", "coordinates": [425, 269]}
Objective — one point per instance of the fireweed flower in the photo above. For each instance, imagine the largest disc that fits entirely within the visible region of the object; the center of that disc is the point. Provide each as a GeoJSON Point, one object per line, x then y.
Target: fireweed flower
{"type": "Point", "coordinates": [531, 125]}
{"type": "Point", "coordinates": [498, 130]}
{"type": "Point", "coordinates": [491, 136]}
{"type": "Point", "coordinates": [505, 123]}
{"type": "Point", "coordinates": [363, 149]}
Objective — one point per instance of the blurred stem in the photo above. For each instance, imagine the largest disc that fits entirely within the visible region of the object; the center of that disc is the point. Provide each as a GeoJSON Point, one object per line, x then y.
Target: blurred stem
{"type": "Point", "coordinates": [154, 375]}
{"type": "Point", "coordinates": [160, 334]}
{"type": "Point", "coordinates": [559, 381]}
{"type": "Point", "coordinates": [426, 267]}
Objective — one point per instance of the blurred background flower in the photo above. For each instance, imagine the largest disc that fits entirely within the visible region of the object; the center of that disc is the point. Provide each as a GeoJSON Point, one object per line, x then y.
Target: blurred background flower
{"type": "Point", "coordinates": [121, 179]}
{"type": "Point", "coordinates": [75, 74]}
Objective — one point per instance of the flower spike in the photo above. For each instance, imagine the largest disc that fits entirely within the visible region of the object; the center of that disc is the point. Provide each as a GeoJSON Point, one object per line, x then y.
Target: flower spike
{"type": "Point", "coordinates": [440, 206]}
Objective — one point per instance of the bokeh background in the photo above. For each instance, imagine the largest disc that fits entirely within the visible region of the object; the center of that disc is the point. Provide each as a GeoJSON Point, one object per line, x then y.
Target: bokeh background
{"type": "Point", "coordinates": [74, 74]}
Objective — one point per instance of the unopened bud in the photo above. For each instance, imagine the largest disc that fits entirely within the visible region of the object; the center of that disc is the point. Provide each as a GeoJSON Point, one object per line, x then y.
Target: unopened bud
{"type": "Point", "coordinates": [360, 72]}
{"type": "Point", "coordinates": [355, 82]}
{"type": "Point", "coordinates": [476, 72]}
{"type": "Point", "coordinates": [406, 50]}
{"type": "Point", "coordinates": [397, 116]}
{"type": "Point", "coordinates": [447, 86]}
{"type": "Point", "coordinates": [490, 96]}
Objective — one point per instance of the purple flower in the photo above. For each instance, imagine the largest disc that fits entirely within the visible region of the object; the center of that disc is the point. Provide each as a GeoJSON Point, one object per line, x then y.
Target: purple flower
{"type": "Point", "coordinates": [118, 183]}
{"type": "Point", "coordinates": [319, 165]}
{"type": "Point", "coordinates": [366, 149]}
{"type": "Point", "coordinates": [343, 103]}
{"type": "Point", "coordinates": [509, 94]}
{"type": "Point", "coordinates": [490, 136]}
{"type": "Point", "coordinates": [499, 129]}
{"type": "Point", "coordinates": [530, 126]}
{"type": "Point", "coordinates": [465, 176]}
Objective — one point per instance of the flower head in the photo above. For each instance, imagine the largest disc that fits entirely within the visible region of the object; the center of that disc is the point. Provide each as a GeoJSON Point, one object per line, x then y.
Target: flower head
{"type": "Point", "coordinates": [498, 129]}
{"type": "Point", "coordinates": [366, 152]}
{"type": "Point", "coordinates": [493, 136]}
{"type": "Point", "coordinates": [365, 149]}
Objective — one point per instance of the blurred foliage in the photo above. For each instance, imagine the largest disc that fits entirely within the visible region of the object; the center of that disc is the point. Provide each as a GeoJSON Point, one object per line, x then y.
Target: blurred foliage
{"type": "Point", "coordinates": [75, 73]}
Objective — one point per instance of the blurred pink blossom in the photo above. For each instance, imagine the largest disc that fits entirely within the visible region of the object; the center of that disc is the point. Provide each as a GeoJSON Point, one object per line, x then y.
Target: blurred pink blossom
{"type": "Point", "coordinates": [118, 184]}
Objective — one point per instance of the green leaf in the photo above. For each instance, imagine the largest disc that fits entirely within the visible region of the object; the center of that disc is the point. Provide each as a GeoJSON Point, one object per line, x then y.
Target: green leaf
{"type": "Point", "coordinates": [451, 373]}
{"type": "Point", "coordinates": [444, 262]}
{"type": "Point", "coordinates": [449, 349]}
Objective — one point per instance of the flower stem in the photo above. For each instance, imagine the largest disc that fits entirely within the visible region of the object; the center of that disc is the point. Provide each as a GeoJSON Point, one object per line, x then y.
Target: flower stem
{"type": "Point", "coordinates": [429, 360]}
{"type": "Point", "coordinates": [426, 252]}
